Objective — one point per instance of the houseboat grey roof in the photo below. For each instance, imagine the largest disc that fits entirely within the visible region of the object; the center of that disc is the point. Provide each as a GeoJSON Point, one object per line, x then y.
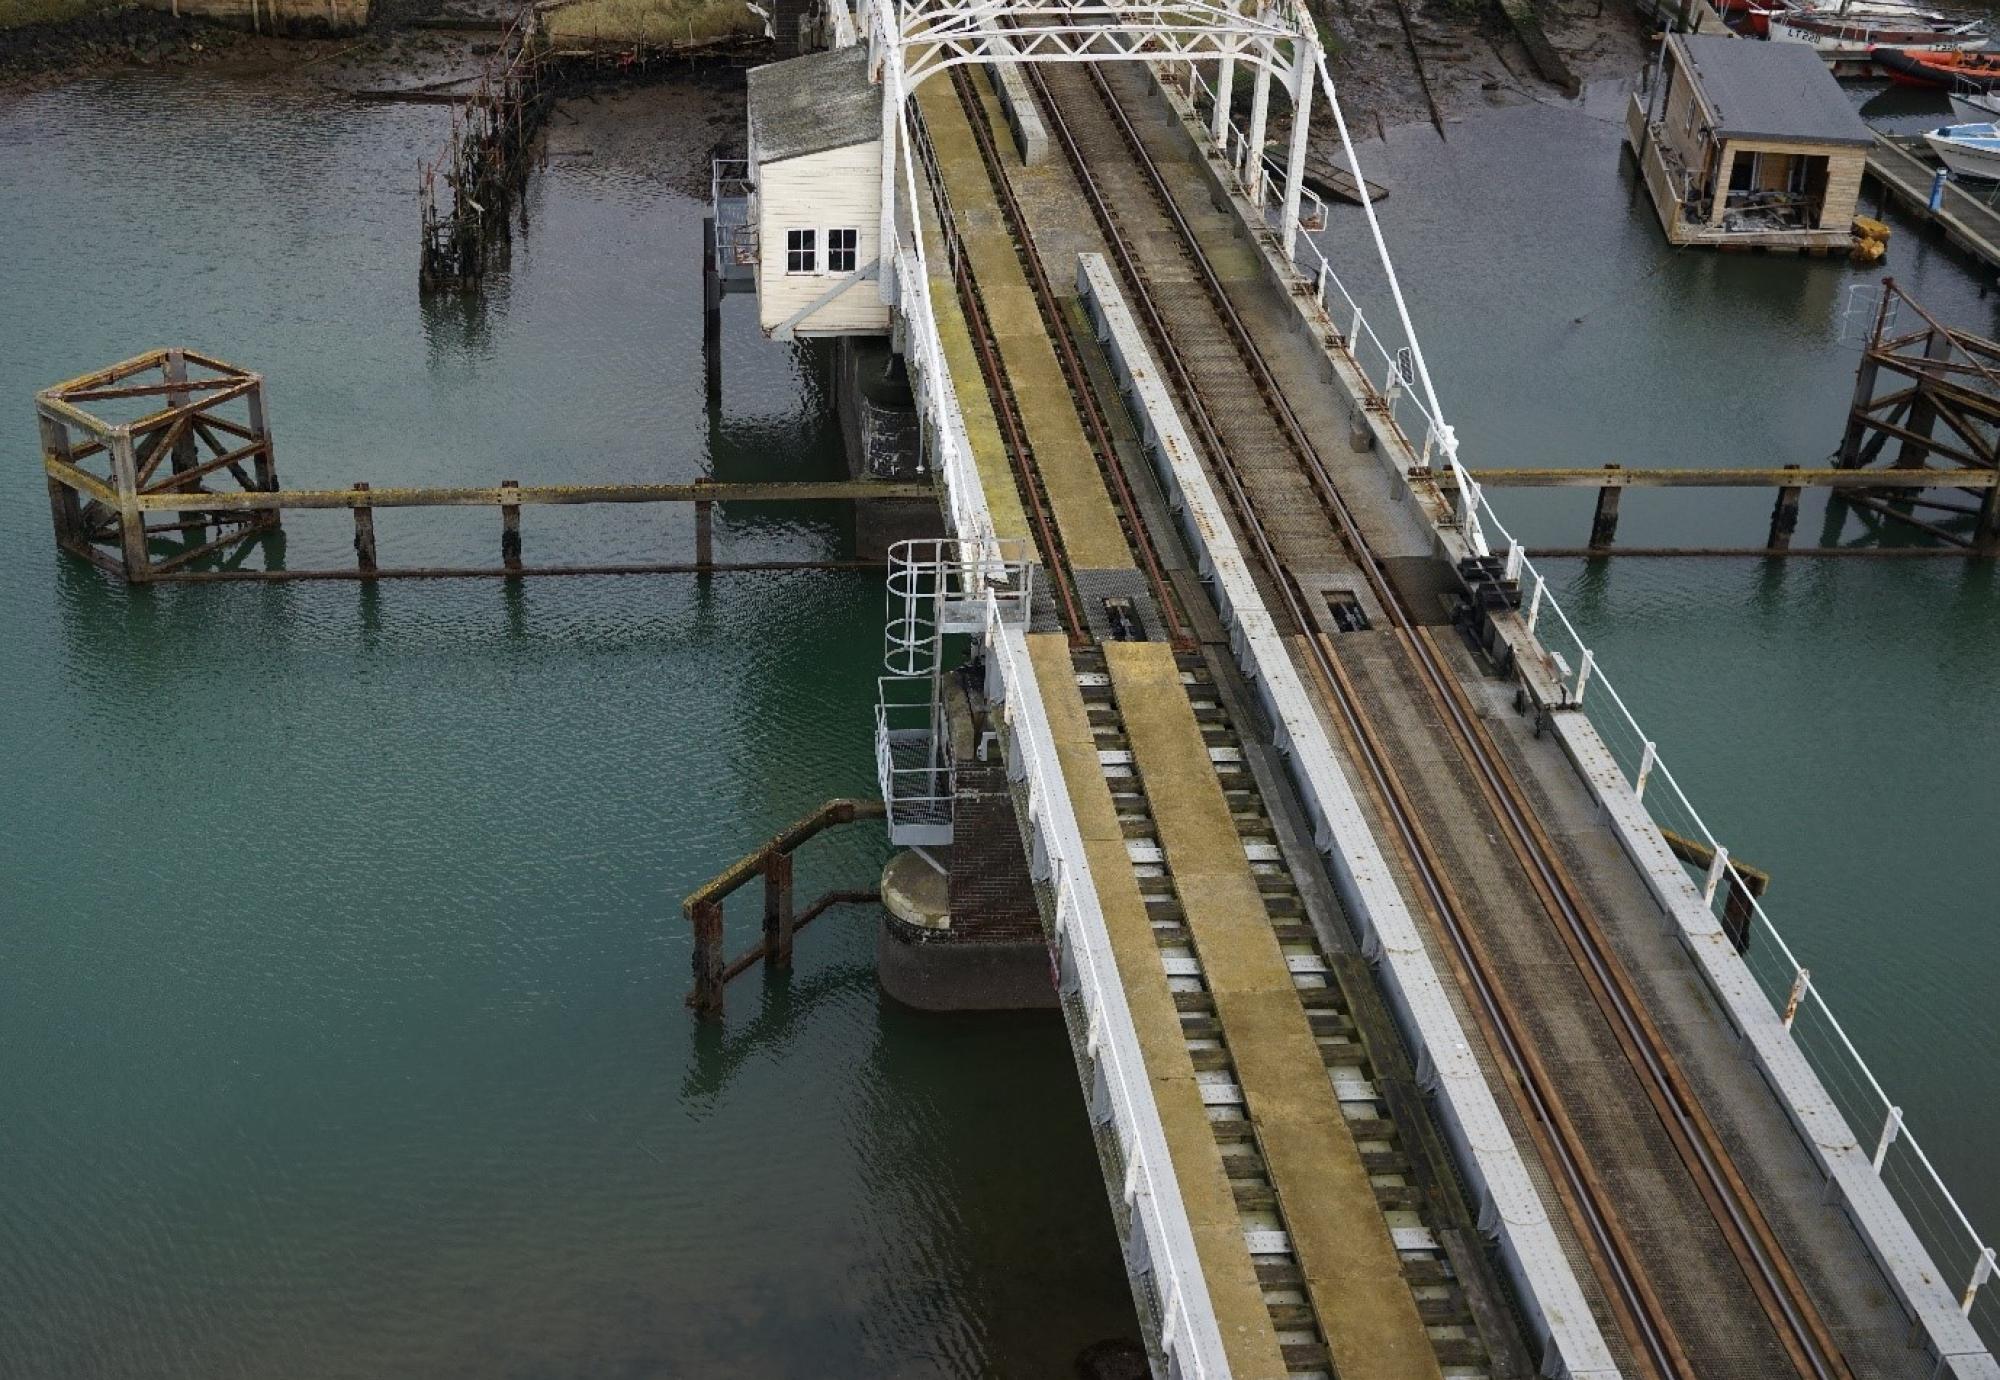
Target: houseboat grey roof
{"type": "Point", "coordinates": [813, 103]}
{"type": "Point", "coordinates": [1779, 91]}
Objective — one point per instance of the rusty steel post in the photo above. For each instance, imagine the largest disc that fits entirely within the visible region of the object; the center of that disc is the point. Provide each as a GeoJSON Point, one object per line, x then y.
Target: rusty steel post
{"type": "Point", "coordinates": [510, 523]}
{"type": "Point", "coordinates": [1784, 517]}
{"type": "Point", "coordinates": [1738, 914]}
{"type": "Point", "coordinates": [706, 998]}
{"type": "Point", "coordinates": [778, 918]}
{"type": "Point", "coordinates": [1923, 411]}
{"type": "Point", "coordinates": [364, 530]}
{"type": "Point", "coordinates": [1604, 525]}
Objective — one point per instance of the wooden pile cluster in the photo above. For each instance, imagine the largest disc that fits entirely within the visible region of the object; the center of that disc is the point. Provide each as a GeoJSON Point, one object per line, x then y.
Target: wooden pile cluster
{"type": "Point", "coordinates": [468, 190]}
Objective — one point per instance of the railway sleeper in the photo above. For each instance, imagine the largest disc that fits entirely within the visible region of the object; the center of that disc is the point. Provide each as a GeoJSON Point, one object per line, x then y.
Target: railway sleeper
{"type": "Point", "coordinates": [1441, 1305]}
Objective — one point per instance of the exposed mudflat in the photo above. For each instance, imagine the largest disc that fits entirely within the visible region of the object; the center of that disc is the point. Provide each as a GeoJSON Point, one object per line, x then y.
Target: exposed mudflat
{"type": "Point", "coordinates": [1469, 54]}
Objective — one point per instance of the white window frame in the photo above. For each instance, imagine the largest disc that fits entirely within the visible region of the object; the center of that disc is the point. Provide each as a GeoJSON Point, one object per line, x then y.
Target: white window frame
{"type": "Point", "coordinates": [834, 249]}
{"type": "Point", "coordinates": [801, 243]}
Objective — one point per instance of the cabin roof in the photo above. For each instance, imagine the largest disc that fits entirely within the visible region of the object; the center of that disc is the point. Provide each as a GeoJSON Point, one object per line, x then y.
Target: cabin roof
{"type": "Point", "coordinates": [812, 104]}
{"type": "Point", "coordinates": [1778, 91]}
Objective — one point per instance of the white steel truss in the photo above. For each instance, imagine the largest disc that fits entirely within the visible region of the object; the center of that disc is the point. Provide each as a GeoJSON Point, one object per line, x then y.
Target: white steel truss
{"type": "Point", "coordinates": [938, 35]}
{"type": "Point", "coordinates": [913, 41]}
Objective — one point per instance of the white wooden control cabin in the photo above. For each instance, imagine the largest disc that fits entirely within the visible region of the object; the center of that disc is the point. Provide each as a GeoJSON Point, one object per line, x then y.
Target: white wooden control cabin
{"type": "Point", "coordinates": [816, 164]}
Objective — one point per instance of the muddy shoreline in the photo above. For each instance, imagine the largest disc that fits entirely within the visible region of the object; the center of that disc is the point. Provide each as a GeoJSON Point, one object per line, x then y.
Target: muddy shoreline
{"type": "Point", "coordinates": [1469, 55]}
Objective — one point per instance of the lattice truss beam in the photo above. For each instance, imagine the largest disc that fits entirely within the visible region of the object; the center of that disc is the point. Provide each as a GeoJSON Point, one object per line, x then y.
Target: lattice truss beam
{"type": "Point", "coordinates": [1276, 40]}
{"type": "Point", "coordinates": [935, 35]}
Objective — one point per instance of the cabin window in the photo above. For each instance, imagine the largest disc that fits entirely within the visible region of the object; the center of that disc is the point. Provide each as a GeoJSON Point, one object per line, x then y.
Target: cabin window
{"type": "Point", "coordinates": [841, 246]}
{"type": "Point", "coordinates": [801, 251]}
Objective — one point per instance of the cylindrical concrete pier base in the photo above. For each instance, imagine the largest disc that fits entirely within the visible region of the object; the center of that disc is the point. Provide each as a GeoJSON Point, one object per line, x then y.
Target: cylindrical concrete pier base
{"type": "Point", "coordinates": [926, 961]}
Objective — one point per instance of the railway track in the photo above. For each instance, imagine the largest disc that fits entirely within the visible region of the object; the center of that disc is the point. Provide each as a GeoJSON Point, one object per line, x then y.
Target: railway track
{"type": "Point", "coordinates": [1692, 1274]}
{"type": "Point", "coordinates": [1456, 1309]}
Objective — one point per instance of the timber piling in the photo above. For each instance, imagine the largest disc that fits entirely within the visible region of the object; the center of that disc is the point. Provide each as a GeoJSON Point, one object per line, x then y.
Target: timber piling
{"type": "Point", "coordinates": [111, 481]}
{"type": "Point", "coordinates": [781, 923]}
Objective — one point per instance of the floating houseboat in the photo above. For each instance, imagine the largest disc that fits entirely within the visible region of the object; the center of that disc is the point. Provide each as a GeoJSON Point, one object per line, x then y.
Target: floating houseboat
{"type": "Point", "coordinates": [1749, 145]}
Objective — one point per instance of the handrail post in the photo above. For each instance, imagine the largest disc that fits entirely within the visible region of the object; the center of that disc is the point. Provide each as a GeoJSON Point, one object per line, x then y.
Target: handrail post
{"type": "Point", "coordinates": [1892, 1126]}
{"type": "Point", "coordinates": [1800, 983]}
{"type": "Point", "coordinates": [1535, 601]}
{"type": "Point", "coordinates": [1583, 670]}
{"type": "Point", "coordinates": [1717, 864]}
{"type": "Point", "coordinates": [778, 910]}
{"type": "Point", "coordinates": [1982, 1271]}
{"type": "Point", "coordinates": [1647, 758]}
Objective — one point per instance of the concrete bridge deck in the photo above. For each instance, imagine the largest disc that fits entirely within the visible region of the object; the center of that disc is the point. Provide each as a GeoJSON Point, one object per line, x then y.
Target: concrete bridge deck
{"type": "Point", "coordinates": [1648, 1202]}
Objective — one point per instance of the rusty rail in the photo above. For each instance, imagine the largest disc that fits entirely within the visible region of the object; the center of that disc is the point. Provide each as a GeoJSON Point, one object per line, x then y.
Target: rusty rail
{"type": "Point", "coordinates": [772, 862]}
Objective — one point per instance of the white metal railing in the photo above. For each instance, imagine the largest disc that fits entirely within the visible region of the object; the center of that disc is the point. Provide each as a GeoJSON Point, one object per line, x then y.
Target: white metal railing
{"type": "Point", "coordinates": [841, 32]}
{"type": "Point", "coordinates": [1161, 1242]}
{"type": "Point", "coordinates": [1401, 368]}
{"type": "Point", "coordinates": [1906, 1170]}
{"type": "Point", "coordinates": [938, 586]}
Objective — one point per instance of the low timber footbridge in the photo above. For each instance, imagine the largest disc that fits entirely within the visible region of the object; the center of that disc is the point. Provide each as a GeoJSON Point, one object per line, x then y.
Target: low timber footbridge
{"type": "Point", "coordinates": [1425, 1028]}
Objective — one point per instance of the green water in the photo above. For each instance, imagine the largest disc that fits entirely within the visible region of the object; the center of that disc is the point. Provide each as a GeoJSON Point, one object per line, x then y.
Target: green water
{"type": "Point", "coordinates": [340, 952]}
{"type": "Point", "coordinates": [1831, 720]}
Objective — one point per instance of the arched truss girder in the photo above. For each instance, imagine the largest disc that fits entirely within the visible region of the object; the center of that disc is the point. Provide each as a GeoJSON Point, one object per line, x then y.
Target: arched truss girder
{"type": "Point", "coordinates": [929, 55]}
{"type": "Point", "coordinates": [935, 36]}
{"type": "Point", "coordinates": [1277, 38]}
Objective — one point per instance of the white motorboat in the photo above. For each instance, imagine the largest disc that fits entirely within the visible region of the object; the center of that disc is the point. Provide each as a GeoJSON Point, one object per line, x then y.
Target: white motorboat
{"type": "Point", "coordinates": [1971, 151]}
{"type": "Point", "coordinates": [1975, 107]}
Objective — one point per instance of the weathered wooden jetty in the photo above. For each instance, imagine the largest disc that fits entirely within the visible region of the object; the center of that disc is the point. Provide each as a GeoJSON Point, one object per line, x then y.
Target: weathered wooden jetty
{"type": "Point", "coordinates": [1949, 408]}
{"type": "Point", "coordinates": [1909, 179]}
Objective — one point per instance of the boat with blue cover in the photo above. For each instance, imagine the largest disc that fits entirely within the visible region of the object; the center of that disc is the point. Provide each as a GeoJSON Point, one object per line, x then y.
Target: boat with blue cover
{"type": "Point", "coordinates": [1968, 150]}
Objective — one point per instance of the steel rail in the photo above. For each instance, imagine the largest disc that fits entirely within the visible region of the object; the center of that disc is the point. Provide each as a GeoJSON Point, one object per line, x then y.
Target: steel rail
{"type": "Point", "coordinates": [1064, 341]}
{"type": "Point", "coordinates": [1797, 1322]}
{"type": "Point", "coordinates": [1586, 1197]}
{"type": "Point", "coordinates": [1141, 535]}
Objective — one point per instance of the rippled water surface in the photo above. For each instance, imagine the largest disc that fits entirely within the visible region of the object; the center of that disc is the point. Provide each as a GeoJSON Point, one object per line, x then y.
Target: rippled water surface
{"type": "Point", "coordinates": [340, 951]}
{"type": "Point", "coordinates": [1829, 718]}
